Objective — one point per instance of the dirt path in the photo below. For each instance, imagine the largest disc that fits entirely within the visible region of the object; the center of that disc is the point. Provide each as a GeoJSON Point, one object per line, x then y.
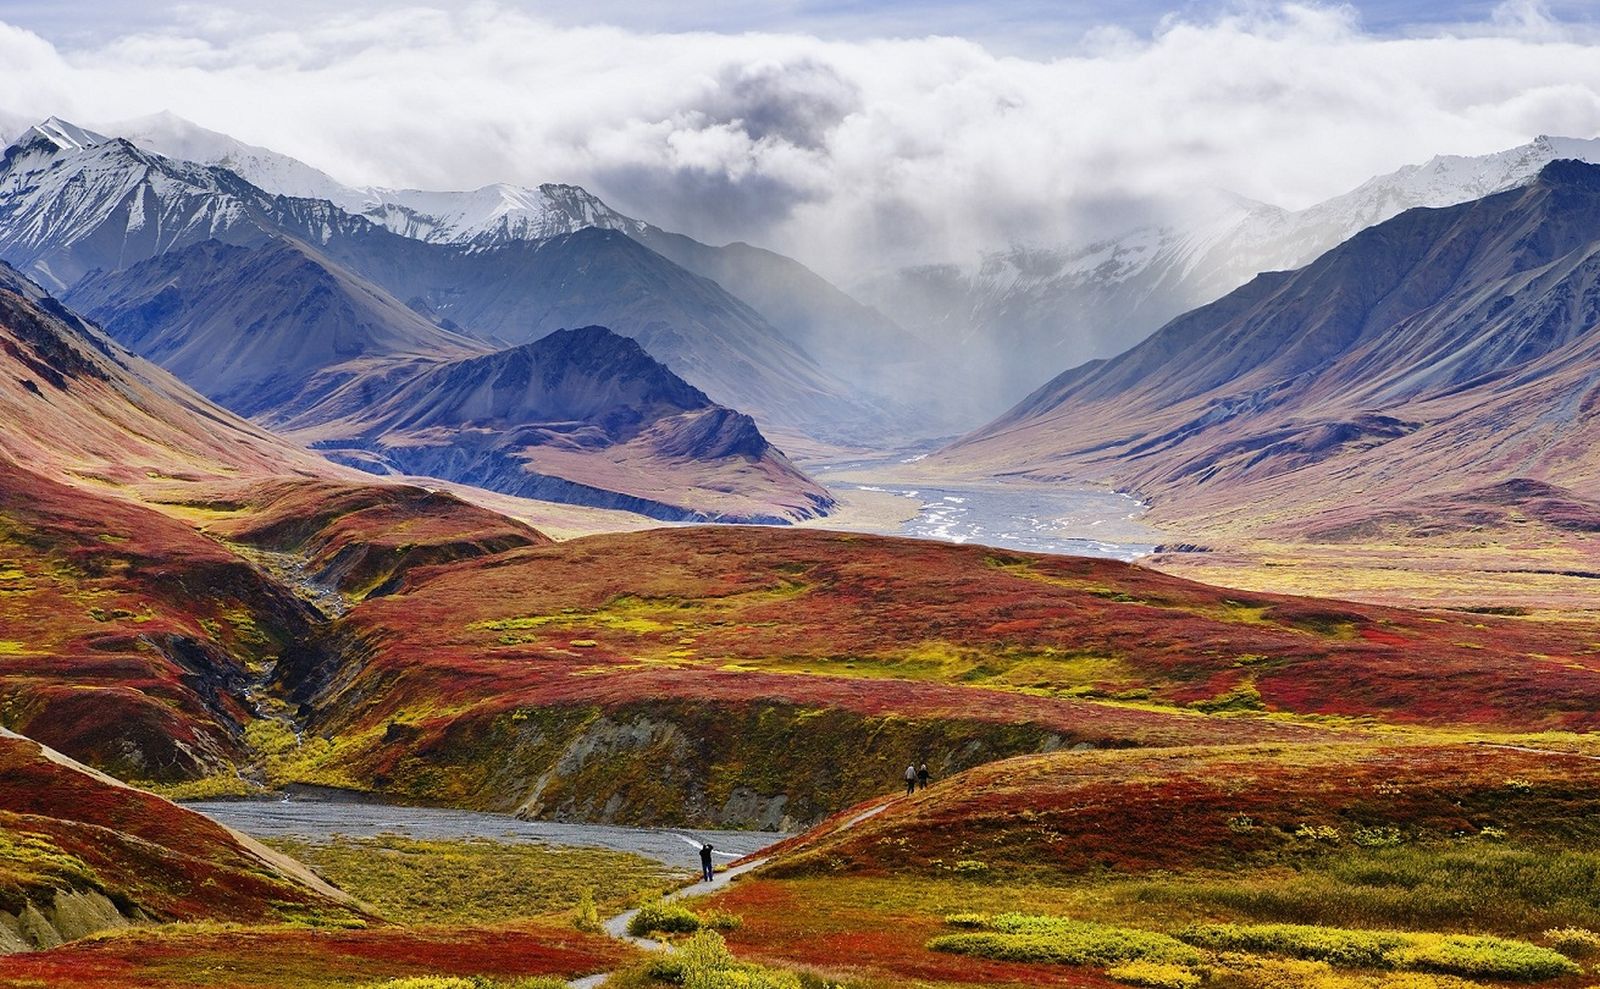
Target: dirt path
{"type": "Point", "coordinates": [617, 926]}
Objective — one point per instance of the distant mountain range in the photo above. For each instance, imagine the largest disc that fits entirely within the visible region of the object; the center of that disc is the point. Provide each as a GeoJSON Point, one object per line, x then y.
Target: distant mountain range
{"type": "Point", "coordinates": [1017, 314]}
{"type": "Point", "coordinates": [284, 308]}
{"type": "Point", "coordinates": [856, 344]}
{"type": "Point", "coordinates": [1437, 352]}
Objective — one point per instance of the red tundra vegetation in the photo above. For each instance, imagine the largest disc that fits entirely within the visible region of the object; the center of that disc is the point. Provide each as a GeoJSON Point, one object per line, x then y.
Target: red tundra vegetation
{"type": "Point", "coordinates": [69, 829]}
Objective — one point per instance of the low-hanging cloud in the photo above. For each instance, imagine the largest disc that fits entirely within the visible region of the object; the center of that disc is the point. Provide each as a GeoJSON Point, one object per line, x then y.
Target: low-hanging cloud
{"type": "Point", "coordinates": [850, 154]}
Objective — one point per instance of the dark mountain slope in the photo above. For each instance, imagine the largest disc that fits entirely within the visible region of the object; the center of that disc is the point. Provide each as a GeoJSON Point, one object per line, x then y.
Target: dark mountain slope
{"type": "Point", "coordinates": [578, 415]}
{"type": "Point", "coordinates": [247, 326]}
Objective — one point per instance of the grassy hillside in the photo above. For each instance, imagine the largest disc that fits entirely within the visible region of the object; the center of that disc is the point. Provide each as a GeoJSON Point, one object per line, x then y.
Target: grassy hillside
{"type": "Point", "coordinates": [750, 677]}
{"type": "Point", "coordinates": [1328, 865]}
{"type": "Point", "coordinates": [80, 852]}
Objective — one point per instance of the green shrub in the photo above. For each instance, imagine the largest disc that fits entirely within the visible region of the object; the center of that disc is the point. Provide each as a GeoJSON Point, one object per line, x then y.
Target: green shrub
{"type": "Point", "coordinates": [1459, 954]}
{"type": "Point", "coordinates": [721, 920]}
{"type": "Point", "coordinates": [1157, 975]}
{"type": "Point", "coordinates": [705, 950]}
{"type": "Point", "coordinates": [1574, 942]}
{"type": "Point", "coordinates": [704, 962]}
{"type": "Point", "coordinates": [1334, 945]}
{"type": "Point", "coordinates": [1018, 937]}
{"type": "Point", "coordinates": [1485, 957]}
{"type": "Point", "coordinates": [585, 915]}
{"type": "Point", "coordinates": [663, 918]}
{"type": "Point", "coordinates": [1318, 832]}
{"type": "Point", "coordinates": [1379, 837]}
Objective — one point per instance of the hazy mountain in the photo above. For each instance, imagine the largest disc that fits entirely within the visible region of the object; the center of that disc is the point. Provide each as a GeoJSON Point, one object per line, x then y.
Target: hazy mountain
{"type": "Point", "coordinates": [854, 341]}
{"type": "Point", "coordinates": [1440, 349]}
{"type": "Point", "coordinates": [1017, 314]}
{"type": "Point", "coordinates": [284, 334]}
{"type": "Point", "coordinates": [580, 416]}
{"type": "Point", "coordinates": [72, 202]}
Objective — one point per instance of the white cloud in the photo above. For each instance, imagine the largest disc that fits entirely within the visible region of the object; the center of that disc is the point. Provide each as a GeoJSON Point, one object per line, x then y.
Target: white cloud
{"type": "Point", "coordinates": [845, 152]}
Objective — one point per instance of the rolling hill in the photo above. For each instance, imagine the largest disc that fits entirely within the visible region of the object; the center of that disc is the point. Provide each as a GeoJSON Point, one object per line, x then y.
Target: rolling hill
{"type": "Point", "coordinates": [84, 853]}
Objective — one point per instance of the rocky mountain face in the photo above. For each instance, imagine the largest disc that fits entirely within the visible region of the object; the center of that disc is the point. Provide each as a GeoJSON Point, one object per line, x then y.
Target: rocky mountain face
{"type": "Point", "coordinates": [1017, 313]}
{"type": "Point", "coordinates": [1442, 349]}
{"type": "Point", "coordinates": [578, 415]}
{"type": "Point", "coordinates": [286, 310]}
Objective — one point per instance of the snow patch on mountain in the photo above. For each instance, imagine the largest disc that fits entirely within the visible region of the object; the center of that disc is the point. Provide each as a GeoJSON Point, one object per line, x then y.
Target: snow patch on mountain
{"type": "Point", "coordinates": [170, 135]}
{"type": "Point", "coordinates": [495, 214]}
{"type": "Point", "coordinates": [482, 217]}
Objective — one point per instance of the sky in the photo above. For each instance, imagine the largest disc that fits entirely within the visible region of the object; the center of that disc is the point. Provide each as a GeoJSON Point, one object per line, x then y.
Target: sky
{"type": "Point", "coordinates": [854, 136]}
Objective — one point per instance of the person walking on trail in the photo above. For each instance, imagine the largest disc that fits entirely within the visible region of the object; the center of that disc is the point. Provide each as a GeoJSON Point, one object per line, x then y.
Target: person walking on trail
{"type": "Point", "coordinates": [705, 862]}
{"type": "Point", "coordinates": [922, 777]}
{"type": "Point", "coordinates": [911, 780]}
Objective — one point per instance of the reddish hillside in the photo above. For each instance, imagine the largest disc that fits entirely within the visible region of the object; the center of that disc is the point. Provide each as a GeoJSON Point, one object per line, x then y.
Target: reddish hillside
{"type": "Point", "coordinates": [81, 852]}
{"type": "Point", "coordinates": [76, 404]}
{"type": "Point", "coordinates": [360, 537]}
{"type": "Point", "coordinates": [127, 637]}
{"type": "Point", "coordinates": [285, 957]}
{"type": "Point", "coordinates": [750, 675]}
{"type": "Point", "coordinates": [1206, 807]}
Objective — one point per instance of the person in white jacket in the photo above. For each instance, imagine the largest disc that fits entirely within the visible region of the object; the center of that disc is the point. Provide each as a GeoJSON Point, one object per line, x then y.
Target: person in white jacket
{"type": "Point", "coordinates": [911, 780]}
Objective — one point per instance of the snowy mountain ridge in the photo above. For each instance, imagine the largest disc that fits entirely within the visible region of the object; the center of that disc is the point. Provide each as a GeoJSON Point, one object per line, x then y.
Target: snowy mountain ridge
{"type": "Point", "coordinates": [490, 215]}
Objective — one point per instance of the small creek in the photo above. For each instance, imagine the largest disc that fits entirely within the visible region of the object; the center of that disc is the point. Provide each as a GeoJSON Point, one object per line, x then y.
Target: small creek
{"type": "Point", "coordinates": [319, 820]}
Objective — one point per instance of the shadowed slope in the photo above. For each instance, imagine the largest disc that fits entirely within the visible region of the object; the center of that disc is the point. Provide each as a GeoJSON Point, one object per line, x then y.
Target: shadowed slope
{"type": "Point", "coordinates": [579, 415]}
{"type": "Point", "coordinates": [247, 326]}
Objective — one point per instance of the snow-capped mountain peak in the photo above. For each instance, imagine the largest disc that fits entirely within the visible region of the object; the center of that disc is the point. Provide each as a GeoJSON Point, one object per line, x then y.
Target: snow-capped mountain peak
{"type": "Point", "coordinates": [66, 136]}
{"type": "Point", "coordinates": [168, 134]}
{"type": "Point", "coordinates": [481, 217]}
{"type": "Point", "coordinates": [495, 213]}
{"type": "Point", "coordinates": [102, 198]}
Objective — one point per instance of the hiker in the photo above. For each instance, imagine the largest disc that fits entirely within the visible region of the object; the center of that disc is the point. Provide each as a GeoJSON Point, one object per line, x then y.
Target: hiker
{"type": "Point", "coordinates": [922, 777]}
{"type": "Point", "coordinates": [705, 861]}
{"type": "Point", "coordinates": [911, 780]}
